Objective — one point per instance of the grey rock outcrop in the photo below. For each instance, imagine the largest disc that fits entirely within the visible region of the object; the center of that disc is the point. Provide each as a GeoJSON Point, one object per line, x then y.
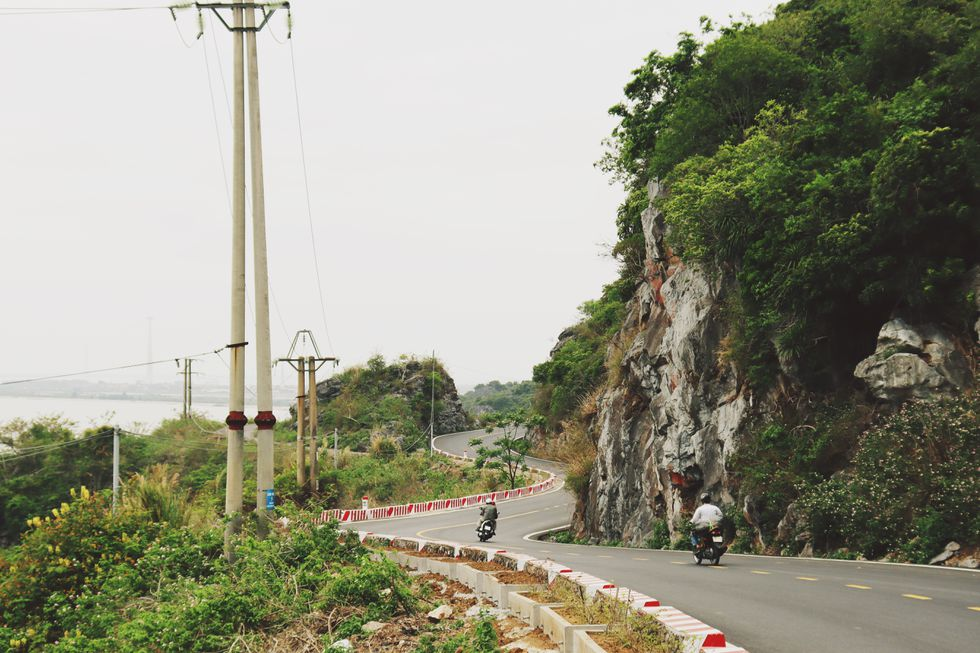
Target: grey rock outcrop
{"type": "Point", "coordinates": [914, 362]}
{"type": "Point", "coordinates": [667, 427]}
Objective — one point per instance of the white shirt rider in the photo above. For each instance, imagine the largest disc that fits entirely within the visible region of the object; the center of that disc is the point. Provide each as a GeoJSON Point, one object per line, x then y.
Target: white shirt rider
{"type": "Point", "coordinates": [706, 516]}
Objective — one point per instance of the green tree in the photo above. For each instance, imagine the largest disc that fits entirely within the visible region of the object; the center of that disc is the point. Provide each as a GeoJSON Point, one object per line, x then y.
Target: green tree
{"type": "Point", "coordinates": [509, 452]}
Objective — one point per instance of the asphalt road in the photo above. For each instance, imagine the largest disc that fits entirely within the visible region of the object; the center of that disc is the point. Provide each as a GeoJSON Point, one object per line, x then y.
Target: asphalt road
{"type": "Point", "coordinates": [765, 604]}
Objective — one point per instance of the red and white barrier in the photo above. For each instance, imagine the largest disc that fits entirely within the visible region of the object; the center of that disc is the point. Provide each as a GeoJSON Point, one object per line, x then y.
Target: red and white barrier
{"type": "Point", "coordinates": [436, 505]}
{"type": "Point", "coordinates": [697, 636]}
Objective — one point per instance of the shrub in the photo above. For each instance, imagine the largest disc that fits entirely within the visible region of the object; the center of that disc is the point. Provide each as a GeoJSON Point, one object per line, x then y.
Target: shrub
{"type": "Point", "coordinates": [913, 486]}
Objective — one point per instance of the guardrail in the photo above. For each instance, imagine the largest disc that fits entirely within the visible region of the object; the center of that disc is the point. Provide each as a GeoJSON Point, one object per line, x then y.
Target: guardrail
{"type": "Point", "coordinates": [438, 505]}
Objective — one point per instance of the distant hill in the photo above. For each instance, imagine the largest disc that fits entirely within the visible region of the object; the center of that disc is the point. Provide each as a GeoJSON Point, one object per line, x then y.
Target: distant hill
{"type": "Point", "coordinates": [391, 400]}
{"type": "Point", "coordinates": [497, 396]}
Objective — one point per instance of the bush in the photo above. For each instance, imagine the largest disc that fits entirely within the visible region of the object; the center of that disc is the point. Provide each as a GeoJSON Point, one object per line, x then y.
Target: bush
{"type": "Point", "coordinates": [659, 537]}
{"type": "Point", "coordinates": [912, 488]}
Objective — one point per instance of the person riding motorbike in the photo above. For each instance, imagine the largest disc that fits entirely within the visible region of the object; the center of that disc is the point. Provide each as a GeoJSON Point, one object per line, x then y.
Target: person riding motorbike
{"type": "Point", "coordinates": [706, 517]}
{"type": "Point", "coordinates": [488, 512]}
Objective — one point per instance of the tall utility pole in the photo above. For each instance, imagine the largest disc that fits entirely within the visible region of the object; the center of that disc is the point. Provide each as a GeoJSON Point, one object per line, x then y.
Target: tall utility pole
{"type": "Point", "coordinates": [306, 411]}
{"type": "Point", "coordinates": [236, 419]}
{"type": "Point", "coordinates": [243, 22]}
{"type": "Point", "coordinates": [265, 420]}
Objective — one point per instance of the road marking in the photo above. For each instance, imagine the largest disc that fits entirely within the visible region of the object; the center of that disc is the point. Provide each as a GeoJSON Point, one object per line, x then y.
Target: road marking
{"type": "Point", "coordinates": [974, 608]}
{"type": "Point", "coordinates": [858, 587]}
{"type": "Point", "coordinates": [917, 597]}
{"type": "Point", "coordinates": [609, 557]}
{"type": "Point", "coordinates": [805, 578]}
{"type": "Point", "coordinates": [677, 562]}
{"type": "Point", "coordinates": [573, 554]}
{"type": "Point", "coordinates": [761, 573]}
{"type": "Point", "coordinates": [647, 559]}
{"type": "Point", "coordinates": [717, 567]}
{"type": "Point", "coordinates": [544, 550]}
{"type": "Point", "coordinates": [446, 528]}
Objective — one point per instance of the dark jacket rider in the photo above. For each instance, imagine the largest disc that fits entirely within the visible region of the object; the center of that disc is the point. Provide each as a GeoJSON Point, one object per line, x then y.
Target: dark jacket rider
{"type": "Point", "coordinates": [488, 512]}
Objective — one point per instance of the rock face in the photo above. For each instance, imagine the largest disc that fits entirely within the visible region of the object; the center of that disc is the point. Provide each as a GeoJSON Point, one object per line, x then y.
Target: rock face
{"type": "Point", "coordinates": [667, 427]}
{"type": "Point", "coordinates": [913, 362]}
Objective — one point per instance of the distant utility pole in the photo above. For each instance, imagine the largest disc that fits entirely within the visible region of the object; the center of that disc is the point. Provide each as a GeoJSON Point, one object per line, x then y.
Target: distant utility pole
{"type": "Point", "coordinates": [432, 409]}
{"type": "Point", "coordinates": [306, 413]}
{"type": "Point", "coordinates": [243, 31]}
{"type": "Point", "coordinates": [300, 423]}
{"type": "Point", "coordinates": [188, 383]}
{"type": "Point", "coordinates": [115, 468]}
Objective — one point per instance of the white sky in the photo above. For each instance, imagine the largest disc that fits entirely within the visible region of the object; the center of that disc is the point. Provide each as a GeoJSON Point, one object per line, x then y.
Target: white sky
{"type": "Point", "coordinates": [450, 149]}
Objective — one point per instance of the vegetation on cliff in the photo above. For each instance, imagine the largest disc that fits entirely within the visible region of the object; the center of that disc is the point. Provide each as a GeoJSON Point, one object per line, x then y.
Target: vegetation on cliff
{"type": "Point", "coordinates": [828, 159]}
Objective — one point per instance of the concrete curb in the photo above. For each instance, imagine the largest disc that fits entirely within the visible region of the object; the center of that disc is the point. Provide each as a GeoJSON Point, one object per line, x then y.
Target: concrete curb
{"type": "Point", "coordinates": [697, 636]}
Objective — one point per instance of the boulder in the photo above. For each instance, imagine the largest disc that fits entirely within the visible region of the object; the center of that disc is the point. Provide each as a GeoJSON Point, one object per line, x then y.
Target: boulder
{"type": "Point", "coordinates": [914, 362]}
{"type": "Point", "coordinates": [440, 613]}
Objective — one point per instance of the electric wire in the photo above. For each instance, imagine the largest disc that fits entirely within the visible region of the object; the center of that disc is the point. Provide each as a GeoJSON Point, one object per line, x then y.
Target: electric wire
{"type": "Point", "coordinates": [104, 369]}
{"type": "Point", "coordinates": [44, 11]}
{"type": "Point", "coordinates": [46, 448]}
{"type": "Point", "coordinates": [309, 205]}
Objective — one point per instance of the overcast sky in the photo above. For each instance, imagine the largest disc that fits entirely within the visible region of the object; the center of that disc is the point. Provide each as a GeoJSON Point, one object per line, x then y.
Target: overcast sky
{"type": "Point", "coordinates": [450, 148]}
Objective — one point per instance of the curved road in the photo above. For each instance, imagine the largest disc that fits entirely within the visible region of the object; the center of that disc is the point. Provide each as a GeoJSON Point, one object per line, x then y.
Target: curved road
{"type": "Point", "coordinates": [766, 604]}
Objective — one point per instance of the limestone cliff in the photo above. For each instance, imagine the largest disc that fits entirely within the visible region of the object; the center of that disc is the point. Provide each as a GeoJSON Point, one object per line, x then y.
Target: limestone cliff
{"type": "Point", "coordinates": [674, 408]}
{"type": "Point", "coordinates": [666, 428]}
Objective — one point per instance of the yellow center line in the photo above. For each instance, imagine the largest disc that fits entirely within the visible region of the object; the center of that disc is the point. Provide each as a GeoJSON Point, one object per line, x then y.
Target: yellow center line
{"type": "Point", "coordinates": [805, 578]}
{"type": "Point", "coordinates": [858, 587]}
{"type": "Point", "coordinates": [717, 567]}
{"type": "Point", "coordinates": [761, 573]}
{"type": "Point", "coordinates": [974, 608]}
{"type": "Point", "coordinates": [677, 562]}
{"type": "Point", "coordinates": [917, 597]}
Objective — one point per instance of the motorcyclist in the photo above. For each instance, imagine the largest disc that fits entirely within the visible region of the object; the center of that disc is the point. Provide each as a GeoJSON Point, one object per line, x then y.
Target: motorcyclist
{"type": "Point", "coordinates": [706, 517]}
{"type": "Point", "coordinates": [488, 512]}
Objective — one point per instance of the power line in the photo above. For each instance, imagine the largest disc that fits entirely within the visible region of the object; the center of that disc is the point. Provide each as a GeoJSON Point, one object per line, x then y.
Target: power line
{"type": "Point", "coordinates": [44, 11]}
{"type": "Point", "coordinates": [50, 447]}
{"type": "Point", "coordinates": [309, 205]}
{"type": "Point", "coordinates": [105, 369]}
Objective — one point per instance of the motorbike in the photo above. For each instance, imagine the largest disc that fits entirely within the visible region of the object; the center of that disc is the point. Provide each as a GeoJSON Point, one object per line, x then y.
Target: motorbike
{"type": "Point", "coordinates": [710, 547]}
{"type": "Point", "coordinates": [486, 530]}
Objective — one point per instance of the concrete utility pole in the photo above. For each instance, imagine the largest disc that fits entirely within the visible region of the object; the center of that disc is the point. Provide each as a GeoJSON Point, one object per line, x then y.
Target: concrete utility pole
{"type": "Point", "coordinates": [265, 420]}
{"type": "Point", "coordinates": [432, 409]}
{"type": "Point", "coordinates": [301, 424]}
{"type": "Point", "coordinates": [306, 404]}
{"type": "Point", "coordinates": [314, 418]}
{"type": "Point", "coordinates": [335, 447]}
{"type": "Point", "coordinates": [188, 374]}
{"type": "Point", "coordinates": [115, 467]}
{"type": "Point", "coordinates": [236, 419]}
{"type": "Point", "coordinates": [243, 22]}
